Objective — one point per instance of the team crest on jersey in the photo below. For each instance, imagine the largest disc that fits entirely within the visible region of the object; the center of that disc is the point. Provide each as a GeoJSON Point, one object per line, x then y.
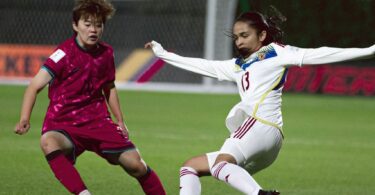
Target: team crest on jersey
{"type": "Point", "coordinates": [265, 52]}
{"type": "Point", "coordinates": [261, 56]}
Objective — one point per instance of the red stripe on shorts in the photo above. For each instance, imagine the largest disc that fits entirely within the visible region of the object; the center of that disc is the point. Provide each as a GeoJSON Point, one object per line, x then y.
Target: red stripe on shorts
{"type": "Point", "coordinates": [245, 128]}
{"type": "Point", "coordinates": [241, 127]}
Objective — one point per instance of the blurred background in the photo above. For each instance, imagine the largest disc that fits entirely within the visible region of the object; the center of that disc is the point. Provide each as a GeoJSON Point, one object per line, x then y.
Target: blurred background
{"type": "Point", "coordinates": [329, 136]}
{"type": "Point", "coordinates": [194, 28]}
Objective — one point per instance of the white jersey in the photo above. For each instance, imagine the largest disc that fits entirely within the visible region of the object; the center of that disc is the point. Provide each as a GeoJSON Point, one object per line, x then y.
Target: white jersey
{"type": "Point", "coordinates": [260, 77]}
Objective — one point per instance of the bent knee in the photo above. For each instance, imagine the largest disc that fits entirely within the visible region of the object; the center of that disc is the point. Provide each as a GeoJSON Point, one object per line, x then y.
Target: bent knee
{"type": "Point", "coordinates": [193, 163]}
{"type": "Point", "coordinates": [136, 169]}
{"type": "Point", "coordinates": [53, 141]}
{"type": "Point", "coordinates": [48, 145]}
{"type": "Point", "coordinates": [199, 164]}
{"type": "Point", "coordinates": [225, 157]}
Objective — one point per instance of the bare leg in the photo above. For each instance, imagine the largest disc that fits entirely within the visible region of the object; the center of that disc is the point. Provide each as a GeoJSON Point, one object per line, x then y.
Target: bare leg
{"type": "Point", "coordinates": [53, 140]}
{"type": "Point", "coordinates": [199, 164]}
{"type": "Point", "coordinates": [225, 157]}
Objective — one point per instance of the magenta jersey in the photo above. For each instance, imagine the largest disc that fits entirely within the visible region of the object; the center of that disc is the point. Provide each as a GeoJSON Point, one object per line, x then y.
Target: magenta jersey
{"type": "Point", "coordinates": [76, 90]}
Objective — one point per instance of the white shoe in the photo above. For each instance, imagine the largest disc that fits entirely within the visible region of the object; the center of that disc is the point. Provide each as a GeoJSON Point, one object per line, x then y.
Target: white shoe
{"type": "Point", "coordinates": [85, 192]}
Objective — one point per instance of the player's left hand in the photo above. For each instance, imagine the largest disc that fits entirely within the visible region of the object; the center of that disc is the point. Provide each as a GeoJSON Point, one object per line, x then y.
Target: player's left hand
{"type": "Point", "coordinates": [123, 129]}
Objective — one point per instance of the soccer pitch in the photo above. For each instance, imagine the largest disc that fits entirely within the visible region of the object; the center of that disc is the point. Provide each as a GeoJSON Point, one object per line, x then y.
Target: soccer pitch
{"type": "Point", "coordinates": [328, 148]}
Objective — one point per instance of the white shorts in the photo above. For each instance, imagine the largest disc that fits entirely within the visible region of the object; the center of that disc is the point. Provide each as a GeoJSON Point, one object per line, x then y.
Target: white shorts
{"type": "Point", "coordinates": [254, 145]}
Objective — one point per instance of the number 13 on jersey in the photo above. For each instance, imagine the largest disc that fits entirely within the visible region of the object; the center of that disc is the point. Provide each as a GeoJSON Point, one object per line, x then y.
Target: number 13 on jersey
{"type": "Point", "coordinates": [245, 81]}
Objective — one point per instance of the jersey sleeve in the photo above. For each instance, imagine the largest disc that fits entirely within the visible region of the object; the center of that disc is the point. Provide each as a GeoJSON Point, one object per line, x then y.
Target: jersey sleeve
{"type": "Point", "coordinates": [55, 63]}
{"type": "Point", "coordinates": [289, 55]}
{"type": "Point", "coordinates": [324, 55]}
{"type": "Point", "coordinates": [226, 70]}
{"type": "Point", "coordinates": [216, 69]}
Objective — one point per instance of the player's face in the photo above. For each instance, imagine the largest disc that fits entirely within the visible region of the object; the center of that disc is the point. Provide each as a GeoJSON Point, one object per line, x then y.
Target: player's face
{"type": "Point", "coordinates": [89, 30]}
{"type": "Point", "coordinates": [247, 39]}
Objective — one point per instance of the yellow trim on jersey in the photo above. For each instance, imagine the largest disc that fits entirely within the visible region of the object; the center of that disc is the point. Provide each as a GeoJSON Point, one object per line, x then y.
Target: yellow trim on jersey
{"type": "Point", "coordinates": [270, 124]}
{"type": "Point", "coordinates": [262, 99]}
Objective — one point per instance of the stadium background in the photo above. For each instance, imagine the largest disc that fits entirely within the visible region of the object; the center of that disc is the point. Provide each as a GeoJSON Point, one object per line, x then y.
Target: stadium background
{"type": "Point", "coordinates": [180, 26]}
{"type": "Point", "coordinates": [328, 147]}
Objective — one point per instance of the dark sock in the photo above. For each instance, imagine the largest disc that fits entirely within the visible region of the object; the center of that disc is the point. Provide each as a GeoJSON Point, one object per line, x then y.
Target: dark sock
{"type": "Point", "coordinates": [151, 184]}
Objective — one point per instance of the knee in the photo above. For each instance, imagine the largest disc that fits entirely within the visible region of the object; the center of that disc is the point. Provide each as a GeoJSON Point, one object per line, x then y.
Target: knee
{"type": "Point", "coordinates": [52, 141]}
{"type": "Point", "coordinates": [132, 163]}
{"type": "Point", "coordinates": [190, 163]}
{"type": "Point", "coordinates": [136, 169]}
{"type": "Point", "coordinates": [48, 144]}
{"type": "Point", "coordinates": [201, 167]}
{"type": "Point", "coordinates": [225, 158]}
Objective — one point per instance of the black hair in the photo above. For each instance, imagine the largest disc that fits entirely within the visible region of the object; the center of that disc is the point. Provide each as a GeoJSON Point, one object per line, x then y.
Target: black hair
{"type": "Point", "coordinates": [98, 8]}
{"type": "Point", "coordinates": [271, 24]}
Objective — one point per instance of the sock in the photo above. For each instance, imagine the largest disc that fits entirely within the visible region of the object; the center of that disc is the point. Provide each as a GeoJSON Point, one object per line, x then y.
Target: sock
{"type": "Point", "coordinates": [189, 182]}
{"type": "Point", "coordinates": [151, 184]}
{"type": "Point", "coordinates": [235, 176]}
{"type": "Point", "coordinates": [65, 172]}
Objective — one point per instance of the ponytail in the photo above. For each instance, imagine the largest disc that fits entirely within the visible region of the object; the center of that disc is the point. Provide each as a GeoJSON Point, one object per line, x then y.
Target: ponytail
{"type": "Point", "coordinates": [274, 20]}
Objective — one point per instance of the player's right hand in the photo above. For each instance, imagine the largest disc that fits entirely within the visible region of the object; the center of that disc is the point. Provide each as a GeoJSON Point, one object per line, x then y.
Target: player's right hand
{"type": "Point", "coordinates": [156, 47]}
{"type": "Point", "coordinates": [148, 45]}
{"type": "Point", "coordinates": [22, 127]}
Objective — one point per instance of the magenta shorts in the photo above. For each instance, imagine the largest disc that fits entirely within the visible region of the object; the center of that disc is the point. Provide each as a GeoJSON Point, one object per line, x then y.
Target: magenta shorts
{"type": "Point", "coordinates": [104, 137]}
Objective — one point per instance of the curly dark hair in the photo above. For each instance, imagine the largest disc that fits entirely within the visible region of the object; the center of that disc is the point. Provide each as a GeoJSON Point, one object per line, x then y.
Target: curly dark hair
{"type": "Point", "coordinates": [101, 9]}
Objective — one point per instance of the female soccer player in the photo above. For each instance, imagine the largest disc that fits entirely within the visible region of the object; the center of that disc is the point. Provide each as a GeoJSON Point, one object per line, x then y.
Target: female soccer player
{"type": "Point", "coordinates": [255, 123]}
{"type": "Point", "coordinates": [81, 74]}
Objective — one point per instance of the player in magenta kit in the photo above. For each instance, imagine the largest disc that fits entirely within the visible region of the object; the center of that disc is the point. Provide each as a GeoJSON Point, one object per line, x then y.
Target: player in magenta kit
{"type": "Point", "coordinates": [81, 74]}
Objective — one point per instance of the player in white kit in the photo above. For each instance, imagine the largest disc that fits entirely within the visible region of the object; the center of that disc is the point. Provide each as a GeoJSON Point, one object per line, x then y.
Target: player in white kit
{"type": "Point", "coordinates": [255, 123]}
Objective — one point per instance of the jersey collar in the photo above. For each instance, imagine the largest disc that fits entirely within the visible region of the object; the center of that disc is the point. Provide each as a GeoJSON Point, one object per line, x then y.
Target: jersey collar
{"type": "Point", "coordinates": [263, 53]}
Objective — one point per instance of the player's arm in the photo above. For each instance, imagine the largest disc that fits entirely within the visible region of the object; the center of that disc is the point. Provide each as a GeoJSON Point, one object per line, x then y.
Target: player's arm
{"type": "Point", "coordinates": [111, 95]}
{"type": "Point", "coordinates": [196, 65]}
{"type": "Point", "coordinates": [40, 80]}
{"type": "Point", "coordinates": [324, 55]}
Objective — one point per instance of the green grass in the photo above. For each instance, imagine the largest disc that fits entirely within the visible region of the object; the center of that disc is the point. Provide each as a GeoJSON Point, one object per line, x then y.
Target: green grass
{"type": "Point", "coordinates": [328, 149]}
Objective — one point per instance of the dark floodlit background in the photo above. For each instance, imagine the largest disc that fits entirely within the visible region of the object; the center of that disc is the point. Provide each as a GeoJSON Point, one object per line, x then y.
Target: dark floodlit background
{"type": "Point", "coordinates": [180, 25]}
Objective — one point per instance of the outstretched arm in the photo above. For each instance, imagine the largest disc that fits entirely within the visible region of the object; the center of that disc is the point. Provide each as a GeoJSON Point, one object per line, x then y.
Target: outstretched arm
{"type": "Point", "coordinates": [197, 65]}
{"type": "Point", "coordinates": [36, 85]}
{"type": "Point", "coordinates": [324, 55]}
